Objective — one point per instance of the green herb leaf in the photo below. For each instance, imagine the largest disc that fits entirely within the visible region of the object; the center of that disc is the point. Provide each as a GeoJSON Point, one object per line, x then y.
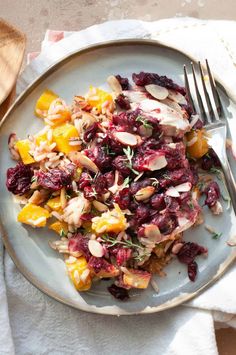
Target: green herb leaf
{"type": "Point", "coordinates": [216, 235]}
{"type": "Point", "coordinates": [62, 233]}
{"type": "Point", "coordinates": [144, 121]}
{"type": "Point", "coordinates": [126, 182]}
{"type": "Point", "coordinates": [129, 154]}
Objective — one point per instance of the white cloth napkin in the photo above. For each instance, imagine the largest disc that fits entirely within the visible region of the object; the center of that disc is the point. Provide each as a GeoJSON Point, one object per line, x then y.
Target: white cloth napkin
{"type": "Point", "coordinates": [32, 323]}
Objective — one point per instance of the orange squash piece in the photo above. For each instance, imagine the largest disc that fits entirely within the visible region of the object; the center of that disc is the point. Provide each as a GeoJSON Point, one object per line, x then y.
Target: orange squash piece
{"type": "Point", "coordinates": [79, 273]}
{"type": "Point", "coordinates": [23, 147]}
{"type": "Point", "coordinates": [33, 215]}
{"type": "Point", "coordinates": [199, 146]}
{"type": "Point", "coordinates": [44, 102]}
{"type": "Point", "coordinates": [62, 135]}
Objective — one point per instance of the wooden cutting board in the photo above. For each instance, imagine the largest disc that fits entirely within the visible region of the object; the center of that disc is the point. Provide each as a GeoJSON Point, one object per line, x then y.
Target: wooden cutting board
{"type": "Point", "coordinates": [12, 48]}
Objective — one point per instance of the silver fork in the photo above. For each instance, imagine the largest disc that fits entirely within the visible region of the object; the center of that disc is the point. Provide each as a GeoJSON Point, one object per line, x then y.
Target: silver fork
{"type": "Point", "coordinates": [214, 122]}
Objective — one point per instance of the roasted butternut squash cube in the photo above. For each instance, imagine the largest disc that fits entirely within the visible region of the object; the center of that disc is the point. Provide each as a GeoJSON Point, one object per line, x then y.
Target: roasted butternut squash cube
{"type": "Point", "coordinates": [197, 145]}
{"type": "Point", "coordinates": [44, 102]}
{"type": "Point", "coordinates": [54, 203]}
{"type": "Point", "coordinates": [41, 138]}
{"type": "Point", "coordinates": [23, 147]}
{"type": "Point", "coordinates": [136, 278]}
{"type": "Point", "coordinates": [59, 227]}
{"type": "Point", "coordinates": [63, 137]}
{"type": "Point", "coordinates": [79, 272]}
{"type": "Point", "coordinates": [98, 98]}
{"type": "Point", "coordinates": [110, 221]}
{"type": "Point", "coordinates": [33, 215]}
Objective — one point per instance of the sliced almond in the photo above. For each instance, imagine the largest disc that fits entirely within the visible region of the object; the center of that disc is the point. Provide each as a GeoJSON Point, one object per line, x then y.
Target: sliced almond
{"type": "Point", "coordinates": [152, 232]}
{"type": "Point", "coordinates": [114, 84]}
{"type": "Point", "coordinates": [63, 198]}
{"type": "Point", "coordinates": [173, 105]}
{"type": "Point", "coordinates": [101, 207]}
{"type": "Point", "coordinates": [172, 192]}
{"type": "Point", "coordinates": [232, 241]}
{"type": "Point", "coordinates": [185, 187]}
{"type": "Point", "coordinates": [156, 162]}
{"type": "Point", "coordinates": [144, 193]}
{"type": "Point", "coordinates": [176, 248]}
{"type": "Point", "coordinates": [159, 92]}
{"type": "Point", "coordinates": [82, 160]}
{"type": "Point", "coordinates": [135, 96]}
{"type": "Point", "coordinates": [184, 223]}
{"type": "Point", "coordinates": [95, 248]}
{"type": "Point", "coordinates": [127, 138]}
{"type": "Point", "coordinates": [177, 97]}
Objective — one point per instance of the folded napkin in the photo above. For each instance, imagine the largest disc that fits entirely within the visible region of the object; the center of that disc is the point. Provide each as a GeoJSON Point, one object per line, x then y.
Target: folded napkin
{"type": "Point", "coordinates": [31, 322]}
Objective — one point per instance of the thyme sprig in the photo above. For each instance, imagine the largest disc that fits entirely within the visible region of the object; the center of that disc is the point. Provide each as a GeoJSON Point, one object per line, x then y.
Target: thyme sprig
{"type": "Point", "coordinates": [129, 155]}
{"type": "Point", "coordinates": [126, 243]}
{"type": "Point", "coordinates": [144, 121]}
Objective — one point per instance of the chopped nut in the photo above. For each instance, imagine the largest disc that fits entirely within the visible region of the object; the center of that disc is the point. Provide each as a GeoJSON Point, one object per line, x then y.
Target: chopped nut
{"type": "Point", "coordinates": [114, 84]}
{"type": "Point", "coordinates": [144, 193]}
{"type": "Point", "coordinates": [159, 92]}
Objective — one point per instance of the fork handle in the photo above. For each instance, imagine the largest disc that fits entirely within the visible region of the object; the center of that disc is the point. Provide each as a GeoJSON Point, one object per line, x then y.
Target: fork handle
{"type": "Point", "coordinates": [230, 182]}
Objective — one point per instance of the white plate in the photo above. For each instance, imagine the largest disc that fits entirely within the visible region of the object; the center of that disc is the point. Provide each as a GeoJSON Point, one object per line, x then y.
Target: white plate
{"type": "Point", "coordinates": [29, 248]}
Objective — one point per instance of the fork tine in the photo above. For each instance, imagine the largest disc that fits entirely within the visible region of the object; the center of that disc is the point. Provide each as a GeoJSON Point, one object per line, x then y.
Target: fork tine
{"type": "Point", "coordinates": [215, 92]}
{"type": "Point", "coordinates": [199, 99]}
{"type": "Point", "coordinates": [208, 101]}
{"type": "Point", "coordinates": [188, 90]}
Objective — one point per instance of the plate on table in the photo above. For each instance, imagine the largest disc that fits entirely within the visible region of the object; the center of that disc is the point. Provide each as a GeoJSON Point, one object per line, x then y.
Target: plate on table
{"type": "Point", "coordinates": [28, 247]}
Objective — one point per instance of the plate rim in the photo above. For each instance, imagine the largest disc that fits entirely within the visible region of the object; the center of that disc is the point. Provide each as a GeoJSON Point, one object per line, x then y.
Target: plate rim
{"type": "Point", "coordinates": [108, 310]}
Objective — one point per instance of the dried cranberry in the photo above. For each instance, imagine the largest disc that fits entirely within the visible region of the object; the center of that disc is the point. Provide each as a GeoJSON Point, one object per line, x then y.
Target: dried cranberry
{"type": "Point", "coordinates": [172, 204]}
{"type": "Point", "coordinates": [123, 198]}
{"type": "Point", "coordinates": [99, 264]}
{"type": "Point", "coordinates": [123, 102]}
{"type": "Point", "coordinates": [192, 270]}
{"type": "Point", "coordinates": [120, 163]}
{"type": "Point", "coordinates": [109, 178]}
{"type": "Point", "coordinates": [115, 147]}
{"type": "Point", "coordinates": [142, 213]}
{"type": "Point", "coordinates": [55, 179]}
{"type": "Point", "coordinates": [118, 292]}
{"type": "Point", "coordinates": [124, 82]}
{"type": "Point", "coordinates": [149, 144]}
{"type": "Point", "coordinates": [212, 192]}
{"type": "Point", "coordinates": [195, 177]}
{"type": "Point", "coordinates": [90, 133]}
{"type": "Point", "coordinates": [158, 202]}
{"type": "Point", "coordinates": [165, 222]}
{"type": "Point", "coordinates": [100, 184]}
{"type": "Point", "coordinates": [210, 160]}
{"type": "Point", "coordinates": [85, 180]}
{"type": "Point", "coordinates": [176, 177]}
{"type": "Point", "coordinates": [143, 79]}
{"type": "Point", "coordinates": [127, 121]}
{"type": "Point", "coordinates": [102, 160]}
{"type": "Point", "coordinates": [175, 157]}
{"type": "Point", "coordinates": [189, 251]}
{"type": "Point", "coordinates": [121, 254]}
{"type": "Point", "coordinates": [89, 193]}
{"type": "Point", "coordinates": [19, 179]}
{"type": "Point", "coordinates": [79, 243]}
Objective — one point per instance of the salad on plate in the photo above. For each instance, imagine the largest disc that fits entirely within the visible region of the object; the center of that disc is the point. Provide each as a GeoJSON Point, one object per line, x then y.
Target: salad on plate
{"type": "Point", "coordinates": [118, 176]}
